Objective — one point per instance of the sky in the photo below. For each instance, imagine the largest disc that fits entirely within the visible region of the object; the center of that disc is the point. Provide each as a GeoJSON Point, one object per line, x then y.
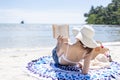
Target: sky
{"type": "Point", "coordinates": [47, 11]}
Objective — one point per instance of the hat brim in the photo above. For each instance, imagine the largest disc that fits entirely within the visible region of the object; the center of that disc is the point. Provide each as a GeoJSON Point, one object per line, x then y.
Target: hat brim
{"type": "Point", "coordinates": [75, 31]}
{"type": "Point", "coordinates": [91, 43]}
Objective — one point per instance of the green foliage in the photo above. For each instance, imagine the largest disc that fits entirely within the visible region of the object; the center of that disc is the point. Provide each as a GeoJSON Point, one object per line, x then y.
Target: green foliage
{"type": "Point", "coordinates": [104, 15]}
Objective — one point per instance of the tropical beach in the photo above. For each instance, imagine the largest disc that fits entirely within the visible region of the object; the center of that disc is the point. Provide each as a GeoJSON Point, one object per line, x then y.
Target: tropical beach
{"type": "Point", "coordinates": [27, 40]}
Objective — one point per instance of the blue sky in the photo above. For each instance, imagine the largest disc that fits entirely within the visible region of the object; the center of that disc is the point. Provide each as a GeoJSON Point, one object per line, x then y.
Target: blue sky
{"type": "Point", "coordinates": [47, 11]}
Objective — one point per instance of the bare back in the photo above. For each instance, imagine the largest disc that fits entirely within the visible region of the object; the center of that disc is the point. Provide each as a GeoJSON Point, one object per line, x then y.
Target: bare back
{"type": "Point", "coordinates": [74, 52]}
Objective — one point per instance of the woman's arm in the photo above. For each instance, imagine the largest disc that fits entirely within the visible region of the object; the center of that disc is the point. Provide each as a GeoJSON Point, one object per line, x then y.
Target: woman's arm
{"type": "Point", "coordinates": [99, 50]}
{"type": "Point", "coordinates": [61, 45]}
{"type": "Point", "coordinates": [86, 63]}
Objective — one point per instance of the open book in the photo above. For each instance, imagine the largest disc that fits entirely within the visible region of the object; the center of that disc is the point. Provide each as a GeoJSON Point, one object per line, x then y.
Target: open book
{"type": "Point", "coordinates": [60, 30]}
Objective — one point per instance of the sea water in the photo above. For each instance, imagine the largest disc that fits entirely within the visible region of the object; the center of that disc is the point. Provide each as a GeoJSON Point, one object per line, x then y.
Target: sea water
{"type": "Point", "coordinates": [41, 35]}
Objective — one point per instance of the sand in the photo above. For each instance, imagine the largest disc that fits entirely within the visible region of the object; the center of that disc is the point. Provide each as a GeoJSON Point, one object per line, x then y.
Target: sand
{"type": "Point", "coordinates": [13, 61]}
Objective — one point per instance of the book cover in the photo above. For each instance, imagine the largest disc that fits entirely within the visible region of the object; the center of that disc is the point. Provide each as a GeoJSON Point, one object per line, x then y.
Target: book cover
{"type": "Point", "coordinates": [60, 30]}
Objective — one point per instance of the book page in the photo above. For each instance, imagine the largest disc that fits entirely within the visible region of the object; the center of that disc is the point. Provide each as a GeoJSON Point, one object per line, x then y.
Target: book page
{"type": "Point", "coordinates": [60, 30]}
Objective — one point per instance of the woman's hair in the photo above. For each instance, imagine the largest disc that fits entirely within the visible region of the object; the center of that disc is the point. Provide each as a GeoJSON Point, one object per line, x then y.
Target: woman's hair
{"type": "Point", "coordinates": [86, 48]}
{"type": "Point", "coordinates": [89, 50]}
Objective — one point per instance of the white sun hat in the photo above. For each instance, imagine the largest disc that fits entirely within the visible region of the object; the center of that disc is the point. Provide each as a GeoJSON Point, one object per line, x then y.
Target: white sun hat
{"type": "Point", "coordinates": [75, 30]}
{"type": "Point", "coordinates": [85, 34]}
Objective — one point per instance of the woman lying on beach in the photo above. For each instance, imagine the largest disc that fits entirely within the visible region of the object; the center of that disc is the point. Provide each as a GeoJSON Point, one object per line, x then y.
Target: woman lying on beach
{"type": "Point", "coordinates": [85, 48]}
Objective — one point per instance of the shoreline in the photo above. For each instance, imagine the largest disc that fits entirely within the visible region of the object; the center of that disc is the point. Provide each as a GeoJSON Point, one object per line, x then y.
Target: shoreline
{"type": "Point", "coordinates": [13, 60]}
{"type": "Point", "coordinates": [50, 47]}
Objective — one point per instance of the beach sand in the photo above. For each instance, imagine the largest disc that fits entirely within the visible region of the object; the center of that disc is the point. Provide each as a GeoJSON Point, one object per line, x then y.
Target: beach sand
{"type": "Point", "coordinates": [13, 61]}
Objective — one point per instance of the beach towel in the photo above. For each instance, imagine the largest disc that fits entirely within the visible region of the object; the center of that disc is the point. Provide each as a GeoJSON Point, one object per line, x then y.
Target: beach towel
{"type": "Point", "coordinates": [44, 68]}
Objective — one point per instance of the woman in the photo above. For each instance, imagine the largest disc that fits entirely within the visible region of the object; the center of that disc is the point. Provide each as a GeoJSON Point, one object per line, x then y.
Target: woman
{"type": "Point", "coordinates": [83, 49]}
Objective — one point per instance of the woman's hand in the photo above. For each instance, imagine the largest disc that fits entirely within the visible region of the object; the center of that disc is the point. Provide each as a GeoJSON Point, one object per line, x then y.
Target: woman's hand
{"type": "Point", "coordinates": [80, 65]}
{"type": "Point", "coordinates": [61, 39]}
